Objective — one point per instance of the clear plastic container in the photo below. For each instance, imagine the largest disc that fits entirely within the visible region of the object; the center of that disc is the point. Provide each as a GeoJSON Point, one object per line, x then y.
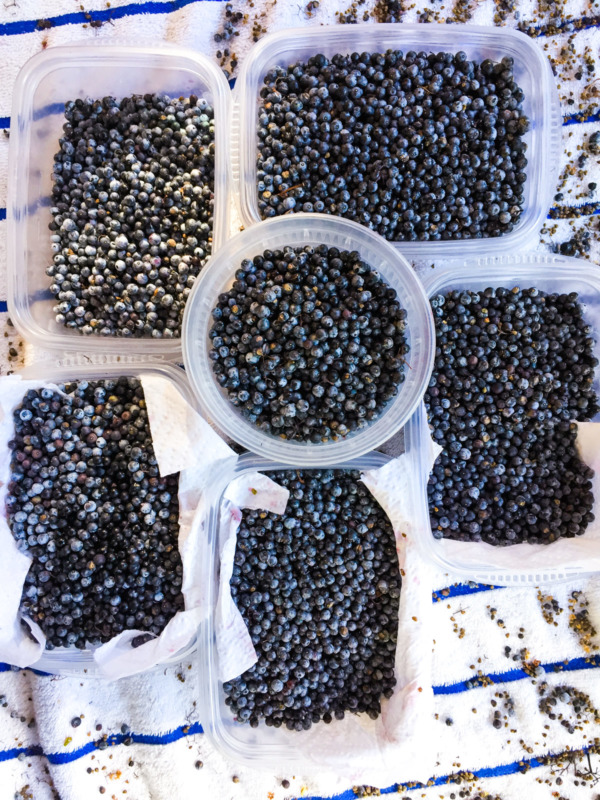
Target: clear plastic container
{"type": "Point", "coordinates": [550, 274]}
{"type": "Point", "coordinates": [532, 72]}
{"type": "Point", "coordinates": [70, 660]}
{"type": "Point", "coordinates": [298, 230]}
{"type": "Point", "coordinates": [44, 84]}
{"type": "Point", "coordinates": [261, 747]}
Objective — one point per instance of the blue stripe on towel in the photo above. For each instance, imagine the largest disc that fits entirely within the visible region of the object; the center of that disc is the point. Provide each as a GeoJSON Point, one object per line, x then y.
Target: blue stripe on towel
{"type": "Point", "coordinates": [47, 111]}
{"type": "Point", "coordinates": [102, 15]}
{"type": "Point", "coordinates": [8, 667]}
{"type": "Point", "coordinates": [585, 210]}
{"type": "Point", "coordinates": [578, 119]}
{"type": "Point", "coordinates": [568, 665]}
{"type": "Point", "coordinates": [461, 589]}
{"type": "Point", "coordinates": [154, 7]}
{"type": "Point", "coordinates": [566, 26]}
{"type": "Point", "coordinates": [445, 780]}
{"type": "Point", "coordinates": [112, 740]}
{"type": "Point", "coordinates": [15, 752]}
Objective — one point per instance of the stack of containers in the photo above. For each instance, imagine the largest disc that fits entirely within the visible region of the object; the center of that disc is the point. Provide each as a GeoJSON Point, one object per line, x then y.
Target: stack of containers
{"type": "Point", "coordinates": [242, 742]}
{"type": "Point", "coordinates": [47, 81]}
{"type": "Point", "coordinates": [66, 73]}
{"type": "Point", "coordinates": [470, 259]}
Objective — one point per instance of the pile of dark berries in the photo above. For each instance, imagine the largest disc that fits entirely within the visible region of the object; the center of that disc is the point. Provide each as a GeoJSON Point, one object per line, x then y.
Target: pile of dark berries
{"type": "Point", "coordinates": [318, 588]}
{"type": "Point", "coordinates": [87, 504]}
{"type": "Point", "coordinates": [594, 143]}
{"type": "Point", "coordinates": [577, 702]}
{"type": "Point", "coordinates": [390, 10]}
{"type": "Point", "coordinates": [231, 19]}
{"type": "Point", "coordinates": [513, 371]}
{"type": "Point", "coordinates": [421, 146]}
{"type": "Point", "coordinates": [501, 715]}
{"type": "Point", "coordinates": [132, 213]}
{"type": "Point", "coordinates": [309, 342]}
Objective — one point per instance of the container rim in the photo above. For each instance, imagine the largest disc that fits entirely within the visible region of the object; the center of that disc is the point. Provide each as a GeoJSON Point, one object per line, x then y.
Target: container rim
{"type": "Point", "coordinates": [22, 115]}
{"type": "Point", "coordinates": [546, 102]}
{"type": "Point", "coordinates": [489, 271]}
{"type": "Point", "coordinates": [304, 229]}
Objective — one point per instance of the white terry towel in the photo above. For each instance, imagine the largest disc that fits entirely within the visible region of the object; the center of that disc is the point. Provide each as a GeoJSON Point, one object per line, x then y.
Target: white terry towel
{"type": "Point", "coordinates": [36, 711]}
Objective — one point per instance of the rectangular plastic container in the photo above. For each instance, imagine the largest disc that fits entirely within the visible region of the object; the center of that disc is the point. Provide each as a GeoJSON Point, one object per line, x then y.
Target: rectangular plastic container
{"type": "Point", "coordinates": [70, 660]}
{"type": "Point", "coordinates": [261, 747]}
{"type": "Point", "coordinates": [550, 274]}
{"type": "Point", "coordinates": [532, 72]}
{"type": "Point", "coordinates": [42, 87]}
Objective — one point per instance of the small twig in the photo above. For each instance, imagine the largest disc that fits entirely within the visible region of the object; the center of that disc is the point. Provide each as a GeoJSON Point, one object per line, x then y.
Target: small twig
{"type": "Point", "coordinates": [284, 191]}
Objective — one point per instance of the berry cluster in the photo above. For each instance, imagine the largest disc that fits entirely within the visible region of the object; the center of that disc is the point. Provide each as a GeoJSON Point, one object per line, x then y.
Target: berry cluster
{"type": "Point", "coordinates": [87, 504]}
{"type": "Point", "coordinates": [417, 146]}
{"type": "Point", "coordinates": [309, 342]}
{"type": "Point", "coordinates": [514, 369]}
{"type": "Point", "coordinates": [132, 213]}
{"type": "Point", "coordinates": [318, 588]}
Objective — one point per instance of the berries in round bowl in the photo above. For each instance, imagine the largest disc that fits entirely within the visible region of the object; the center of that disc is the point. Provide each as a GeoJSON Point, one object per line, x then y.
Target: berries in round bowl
{"type": "Point", "coordinates": [308, 334]}
{"type": "Point", "coordinates": [317, 345]}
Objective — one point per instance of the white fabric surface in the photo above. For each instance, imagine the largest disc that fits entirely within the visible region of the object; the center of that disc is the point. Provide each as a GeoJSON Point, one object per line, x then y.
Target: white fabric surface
{"type": "Point", "coordinates": [160, 705]}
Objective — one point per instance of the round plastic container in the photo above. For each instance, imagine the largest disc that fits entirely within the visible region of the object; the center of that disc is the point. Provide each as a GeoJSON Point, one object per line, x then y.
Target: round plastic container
{"type": "Point", "coordinates": [550, 274]}
{"type": "Point", "coordinates": [70, 660]}
{"type": "Point", "coordinates": [299, 230]}
{"type": "Point", "coordinates": [532, 72]}
{"type": "Point", "coordinates": [261, 747]}
{"type": "Point", "coordinates": [44, 84]}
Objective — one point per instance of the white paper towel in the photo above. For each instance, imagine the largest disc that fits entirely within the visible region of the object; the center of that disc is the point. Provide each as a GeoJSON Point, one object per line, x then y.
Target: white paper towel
{"type": "Point", "coordinates": [363, 750]}
{"type": "Point", "coordinates": [234, 645]}
{"type": "Point", "coordinates": [183, 442]}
